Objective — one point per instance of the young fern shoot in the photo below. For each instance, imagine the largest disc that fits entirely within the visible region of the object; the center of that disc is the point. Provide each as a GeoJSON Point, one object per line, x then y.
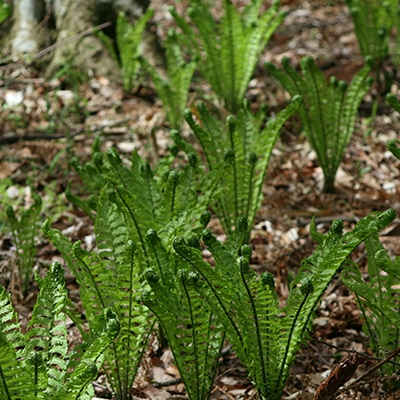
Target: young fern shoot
{"type": "Point", "coordinates": [228, 50]}
{"type": "Point", "coordinates": [264, 336]}
{"type": "Point", "coordinates": [250, 146]}
{"type": "Point", "coordinates": [328, 112]}
{"type": "Point", "coordinates": [24, 231]}
{"type": "Point", "coordinates": [128, 38]}
{"type": "Point", "coordinates": [173, 88]}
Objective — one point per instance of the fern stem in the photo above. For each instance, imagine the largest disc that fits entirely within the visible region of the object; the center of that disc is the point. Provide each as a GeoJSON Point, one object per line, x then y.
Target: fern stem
{"type": "Point", "coordinates": [287, 347]}
{"type": "Point", "coordinates": [231, 128]}
{"type": "Point", "coordinates": [136, 226]}
{"type": "Point", "coordinates": [250, 192]}
{"type": "Point", "coordinates": [321, 116]}
{"type": "Point", "coordinates": [194, 336]}
{"type": "Point", "coordinates": [175, 183]}
{"type": "Point", "coordinates": [215, 294]}
{"type": "Point", "coordinates": [127, 353]}
{"type": "Point", "coordinates": [4, 384]}
{"type": "Point", "coordinates": [257, 331]}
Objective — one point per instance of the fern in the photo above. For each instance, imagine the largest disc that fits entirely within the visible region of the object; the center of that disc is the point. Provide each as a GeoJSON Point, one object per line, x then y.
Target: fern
{"type": "Point", "coordinates": [38, 365]}
{"type": "Point", "coordinates": [378, 299]}
{"type": "Point", "coordinates": [194, 335]}
{"type": "Point", "coordinates": [373, 21]}
{"type": "Point", "coordinates": [130, 201]}
{"type": "Point", "coordinates": [24, 231]}
{"type": "Point", "coordinates": [170, 201]}
{"type": "Point", "coordinates": [172, 89]}
{"type": "Point", "coordinates": [221, 47]}
{"type": "Point", "coordinates": [264, 336]}
{"type": "Point", "coordinates": [110, 278]}
{"type": "Point", "coordinates": [328, 112]}
{"type": "Point", "coordinates": [251, 146]}
{"type": "Point", "coordinates": [128, 37]}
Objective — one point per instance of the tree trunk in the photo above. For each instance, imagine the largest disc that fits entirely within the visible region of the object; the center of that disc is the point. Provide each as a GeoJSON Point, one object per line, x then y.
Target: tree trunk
{"type": "Point", "coordinates": [67, 27]}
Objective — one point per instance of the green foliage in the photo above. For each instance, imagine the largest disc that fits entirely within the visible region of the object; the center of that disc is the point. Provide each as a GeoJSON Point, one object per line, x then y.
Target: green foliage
{"type": "Point", "coordinates": [190, 326]}
{"type": "Point", "coordinates": [5, 11]}
{"type": "Point", "coordinates": [378, 299]}
{"type": "Point", "coordinates": [128, 203]}
{"type": "Point", "coordinates": [170, 201]}
{"type": "Point", "coordinates": [265, 336]}
{"type": "Point", "coordinates": [38, 364]}
{"type": "Point", "coordinates": [110, 278]}
{"type": "Point", "coordinates": [228, 50]}
{"type": "Point", "coordinates": [128, 37]}
{"type": "Point", "coordinates": [249, 144]}
{"type": "Point", "coordinates": [394, 145]}
{"type": "Point", "coordinates": [373, 21]}
{"type": "Point", "coordinates": [173, 88]}
{"type": "Point", "coordinates": [24, 231]}
{"type": "Point", "coordinates": [329, 109]}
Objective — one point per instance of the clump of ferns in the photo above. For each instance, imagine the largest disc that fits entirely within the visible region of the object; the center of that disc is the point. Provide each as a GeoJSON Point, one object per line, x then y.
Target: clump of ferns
{"type": "Point", "coordinates": [265, 336]}
{"type": "Point", "coordinates": [329, 109]}
{"type": "Point", "coordinates": [38, 364]}
{"type": "Point", "coordinates": [194, 334]}
{"type": "Point", "coordinates": [377, 296]}
{"type": "Point", "coordinates": [228, 50]}
{"type": "Point", "coordinates": [126, 202]}
{"type": "Point", "coordinates": [375, 24]}
{"type": "Point", "coordinates": [249, 139]}
{"type": "Point", "coordinates": [128, 40]}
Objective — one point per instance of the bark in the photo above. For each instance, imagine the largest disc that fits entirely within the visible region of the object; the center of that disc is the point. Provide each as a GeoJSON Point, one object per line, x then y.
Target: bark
{"type": "Point", "coordinates": [25, 32]}
{"type": "Point", "coordinates": [37, 24]}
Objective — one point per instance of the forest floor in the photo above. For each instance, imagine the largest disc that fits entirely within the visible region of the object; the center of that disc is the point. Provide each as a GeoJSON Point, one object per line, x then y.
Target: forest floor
{"type": "Point", "coordinates": [46, 123]}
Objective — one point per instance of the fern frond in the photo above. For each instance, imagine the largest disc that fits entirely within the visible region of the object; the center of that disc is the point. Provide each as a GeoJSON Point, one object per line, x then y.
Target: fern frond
{"type": "Point", "coordinates": [257, 33]}
{"type": "Point", "coordinates": [329, 109]}
{"type": "Point", "coordinates": [15, 381]}
{"type": "Point", "coordinates": [319, 269]}
{"type": "Point", "coordinates": [128, 41]}
{"type": "Point", "coordinates": [194, 335]}
{"type": "Point", "coordinates": [41, 367]}
{"type": "Point", "coordinates": [24, 231]}
{"type": "Point", "coordinates": [377, 299]}
{"type": "Point", "coordinates": [221, 47]}
{"type": "Point", "coordinates": [265, 337]}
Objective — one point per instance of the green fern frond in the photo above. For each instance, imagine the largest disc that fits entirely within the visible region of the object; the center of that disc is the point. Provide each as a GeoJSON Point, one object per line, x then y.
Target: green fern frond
{"type": "Point", "coordinates": [173, 88]}
{"type": "Point", "coordinates": [377, 299]}
{"type": "Point", "coordinates": [24, 231]}
{"type": "Point", "coordinates": [329, 109]}
{"type": "Point", "coordinates": [15, 380]}
{"type": "Point", "coordinates": [220, 48]}
{"type": "Point", "coordinates": [265, 337]}
{"type": "Point", "coordinates": [251, 148]}
{"type": "Point", "coordinates": [38, 365]}
{"type": "Point", "coordinates": [128, 37]}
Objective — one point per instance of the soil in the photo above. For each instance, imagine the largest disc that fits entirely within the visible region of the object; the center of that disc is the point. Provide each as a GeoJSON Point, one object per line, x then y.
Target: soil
{"type": "Point", "coordinates": [44, 123]}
